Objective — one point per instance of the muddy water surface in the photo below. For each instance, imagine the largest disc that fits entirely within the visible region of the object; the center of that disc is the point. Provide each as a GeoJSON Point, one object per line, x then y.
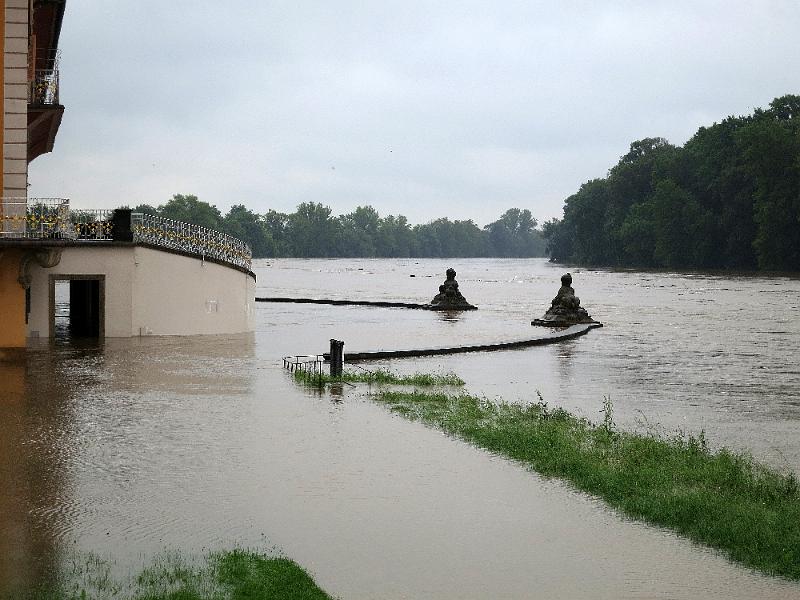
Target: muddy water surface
{"type": "Point", "coordinates": [195, 443]}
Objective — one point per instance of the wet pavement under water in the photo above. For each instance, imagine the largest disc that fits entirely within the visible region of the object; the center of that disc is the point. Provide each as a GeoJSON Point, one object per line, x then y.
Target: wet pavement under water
{"type": "Point", "coordinates": [132, 446]}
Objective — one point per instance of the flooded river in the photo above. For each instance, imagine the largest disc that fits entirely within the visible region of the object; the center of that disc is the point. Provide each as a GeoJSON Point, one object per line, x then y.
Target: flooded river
{"type": "Point", "coordinates": [134, 446]}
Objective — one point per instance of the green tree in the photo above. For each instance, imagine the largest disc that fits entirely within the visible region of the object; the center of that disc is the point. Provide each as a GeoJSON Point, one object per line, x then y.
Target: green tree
{"type": "Point", "coordinates": [313, 232]}
{"type": "Point", "coordinates": [246, 225]}
{"type": "Point", "coordinates": [679, 227]}
{"type": "Point", "coordinates": [514, 234]}
{"type": "Point", "coordinates": [426, 241]}
{"type": "Point", "coordinates": [786, 108]}
{"type": "Point", "coordinates": [584, 215]}
{"type": "Point", "coordinates": [145, 208]}
{"type": "Point", "coordinates": [189, 209]}
{"type": "Point", "coordinates": [720, 181]}
{"type": "Point", "coordinates": [445, 238]}
{"type": "Point", "coordinates": [558, 236]}
{"type": "Point", "coordinates": [729, 198]}
{"type": "Point", "coordinates": [771, 144]}
{"type": "Point", "coordinates": [395, 237]}
{"type": "Point", "coordinates": [359, 230]}
{"type": "Point", "coordinates": [276, 224]}
{"type": "Point", "coordinates": [637, 235]}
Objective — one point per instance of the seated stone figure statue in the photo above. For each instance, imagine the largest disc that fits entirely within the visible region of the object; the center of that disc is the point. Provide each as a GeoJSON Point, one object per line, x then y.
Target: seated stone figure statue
{"type": "Point", "coordinates": [449, 297]}
{"type": "Point", "coordinates": [440, 296]}
{"type": "Point", "coordinates": [566, 297]}
{"type": "Point", "coordinates": [565, 309]}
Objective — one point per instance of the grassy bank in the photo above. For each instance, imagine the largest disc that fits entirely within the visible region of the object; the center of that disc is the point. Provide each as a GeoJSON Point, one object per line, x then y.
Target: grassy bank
{"type": "Point", "coordinates": [722, 499]}
{"type": "Point", "coordinates": [379, 377]}
{"type": "Point", "coordinates": [232, 575]}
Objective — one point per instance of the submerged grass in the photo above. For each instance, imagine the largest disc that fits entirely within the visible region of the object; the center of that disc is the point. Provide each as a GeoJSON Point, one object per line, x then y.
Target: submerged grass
{"type": "Point", "coordinates": [249, 575]}
{"type": "Point", "coordinates": [722, 499]}
{"type": "Point", "coordinates": [379, 377]}
{"type": "Point", "coordinates": [231, 575]}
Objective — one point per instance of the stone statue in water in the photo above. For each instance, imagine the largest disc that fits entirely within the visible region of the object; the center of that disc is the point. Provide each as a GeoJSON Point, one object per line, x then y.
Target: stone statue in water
{"type": "Point", "coordinates": [449, 298]}
{"type": "Point", "coordinates": [565, 309]}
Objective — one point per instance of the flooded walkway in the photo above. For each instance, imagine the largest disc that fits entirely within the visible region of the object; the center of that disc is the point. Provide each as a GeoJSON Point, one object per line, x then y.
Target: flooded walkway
{"type": "Point", "coordinates": [198, 443]}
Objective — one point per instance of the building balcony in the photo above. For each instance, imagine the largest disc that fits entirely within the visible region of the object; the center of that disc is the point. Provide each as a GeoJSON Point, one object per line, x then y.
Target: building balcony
{"type": "Point", "coordinates": [44, 109]}
{"type": "Point", "coordinates": [44, 88]}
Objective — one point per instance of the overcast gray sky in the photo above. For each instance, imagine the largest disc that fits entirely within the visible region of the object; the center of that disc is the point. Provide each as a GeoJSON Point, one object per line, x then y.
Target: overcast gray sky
{"type": "Point", "coordinates": [428, 109]}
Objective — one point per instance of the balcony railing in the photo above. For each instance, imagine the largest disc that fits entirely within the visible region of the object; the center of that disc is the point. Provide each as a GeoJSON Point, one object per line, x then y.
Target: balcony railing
{"type": "Point", "coordinates": [44, 86]}
{"type": "Point", "coordinates": [194, 239]}
{"type": "Point", "coordinates": [52, 219]}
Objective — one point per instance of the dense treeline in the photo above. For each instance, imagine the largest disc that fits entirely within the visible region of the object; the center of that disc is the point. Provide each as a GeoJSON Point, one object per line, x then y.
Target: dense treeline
{"type": "Point", "coordinates": [729, 198]}
{"type": "Point", "coordinates": [312, 231]}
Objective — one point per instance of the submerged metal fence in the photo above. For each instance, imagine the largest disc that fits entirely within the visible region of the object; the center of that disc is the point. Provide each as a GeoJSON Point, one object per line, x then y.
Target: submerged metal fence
{"type": "Point", "coordinates": [185, 237]}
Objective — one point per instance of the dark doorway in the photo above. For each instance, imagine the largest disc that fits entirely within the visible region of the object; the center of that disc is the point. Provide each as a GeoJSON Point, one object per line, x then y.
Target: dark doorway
{"type": "Point", "coordinates": [84, 308]}
{"type": "Point", "coordinates": [77, 306]}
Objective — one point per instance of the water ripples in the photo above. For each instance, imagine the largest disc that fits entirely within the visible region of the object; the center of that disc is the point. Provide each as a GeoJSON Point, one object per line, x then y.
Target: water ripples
{"type": "Point", "coordinates": [134, 445]}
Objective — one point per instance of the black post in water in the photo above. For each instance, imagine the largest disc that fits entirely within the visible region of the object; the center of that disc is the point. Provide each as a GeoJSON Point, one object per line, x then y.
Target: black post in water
{"type": "Point", "coordinates": [337, 357]}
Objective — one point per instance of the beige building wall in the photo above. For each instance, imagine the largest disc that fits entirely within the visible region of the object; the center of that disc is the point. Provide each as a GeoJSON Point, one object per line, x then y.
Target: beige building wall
{"type": "Point", "coordinates": [15, 99]}
{"type": "Point", "coordinates": [182, 295]}
{"type": "Point", "coordinates": [152, 292]}
{"type": "Point", "coordinates": [115, 263]}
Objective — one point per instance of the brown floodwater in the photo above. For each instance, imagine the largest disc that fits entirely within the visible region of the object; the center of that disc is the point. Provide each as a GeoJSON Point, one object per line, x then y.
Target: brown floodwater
{"type": "Point", "coordinates": [196, 443]}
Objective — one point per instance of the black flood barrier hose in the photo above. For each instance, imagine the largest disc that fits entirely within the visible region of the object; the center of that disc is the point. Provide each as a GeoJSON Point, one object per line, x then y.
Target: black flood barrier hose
{"type": "Point", "coordinates": [551, 338]}
{"type": "Point", "coordinates": [375, 303]}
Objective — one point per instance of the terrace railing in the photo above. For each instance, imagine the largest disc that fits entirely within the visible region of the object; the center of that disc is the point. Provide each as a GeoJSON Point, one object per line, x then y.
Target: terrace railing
{"type": "Point", "coordinates": [92, 224]}
{"type": "Point", "coordinates": [51, 219]}
{"type": "Point", "coordinates": [35, 218]}
{"type": "Point", "coordinates": [194, 239]}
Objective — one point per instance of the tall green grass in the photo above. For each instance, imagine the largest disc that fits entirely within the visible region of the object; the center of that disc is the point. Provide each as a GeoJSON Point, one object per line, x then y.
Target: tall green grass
{"type": "Point", "coordinates": [379, 377]}
{"type": "Point", "coordinates": [723, 499]}
{"type": "Point", "coordinates": [230, 575]}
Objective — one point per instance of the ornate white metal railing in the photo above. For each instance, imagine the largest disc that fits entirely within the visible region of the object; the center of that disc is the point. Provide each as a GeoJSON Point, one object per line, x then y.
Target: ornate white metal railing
{"type": "Point", "coordinates": [92, 224]}
{"type": "Point", "coordinates": [194, 239]}
{"type": "Point", "coordinates": [44, 88]}
{"type": "Point", "coordinates": [51, 218]}
{"type": "Point", "coordinates": [37, 218]}
{"type": "Point", "coordinates": [44, 85]}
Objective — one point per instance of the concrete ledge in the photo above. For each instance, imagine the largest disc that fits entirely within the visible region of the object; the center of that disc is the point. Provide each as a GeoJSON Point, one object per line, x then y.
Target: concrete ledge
{"type": "Point", "coordinates": [550, 338]}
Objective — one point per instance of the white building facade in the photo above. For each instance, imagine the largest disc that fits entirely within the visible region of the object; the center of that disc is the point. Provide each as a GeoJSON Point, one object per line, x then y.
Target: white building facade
{"type": "Point", "coordinates": [136, 290]}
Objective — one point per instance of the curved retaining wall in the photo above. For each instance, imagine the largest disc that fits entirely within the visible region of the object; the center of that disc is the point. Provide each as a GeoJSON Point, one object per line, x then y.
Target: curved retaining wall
{"type": "Point", "coordinates": [550, 338]}
{"type": "Point", "coordinates": [148, 291]}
